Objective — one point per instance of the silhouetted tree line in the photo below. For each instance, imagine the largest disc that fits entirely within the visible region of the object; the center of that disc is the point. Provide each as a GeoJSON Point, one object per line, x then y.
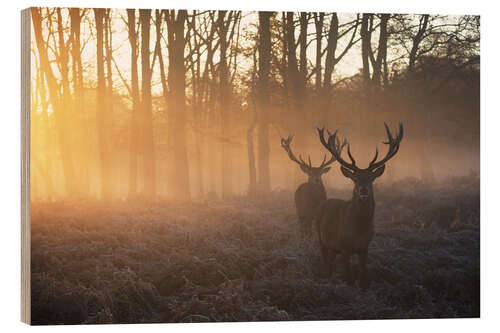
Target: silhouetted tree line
{"type": "Point", "coordinates": [197, 105]}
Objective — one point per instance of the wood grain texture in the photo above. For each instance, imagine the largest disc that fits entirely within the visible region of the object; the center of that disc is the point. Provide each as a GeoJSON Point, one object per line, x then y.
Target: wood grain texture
{"type": "Point", "coordinates": [25, 166]}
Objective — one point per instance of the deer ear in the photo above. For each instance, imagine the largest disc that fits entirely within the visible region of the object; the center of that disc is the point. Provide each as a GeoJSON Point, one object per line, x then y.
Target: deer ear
{"type": "Point", "coordinates": [378, 172]}
{"type": "Point", "coordinates": [325, 170]}
{"type": "Point", "coordinates": [346, 172]}
{"type": "Point", "coordinates": [304, 169]}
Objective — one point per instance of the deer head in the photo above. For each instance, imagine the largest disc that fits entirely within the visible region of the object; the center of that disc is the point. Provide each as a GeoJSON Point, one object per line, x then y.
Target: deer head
{"type": "Point", "coordinates": [314, 173]}
{"type": "Point", "coordinates": [362, 178]}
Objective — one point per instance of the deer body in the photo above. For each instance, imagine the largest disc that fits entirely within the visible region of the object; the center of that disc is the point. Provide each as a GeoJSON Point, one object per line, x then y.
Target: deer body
{"type": "Point", "coordinates": [308, 198]}
{"type": "Point", "coordinates": [346, 227]}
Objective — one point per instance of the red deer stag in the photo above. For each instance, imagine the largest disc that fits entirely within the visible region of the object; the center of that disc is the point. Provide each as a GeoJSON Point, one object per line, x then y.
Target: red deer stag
{"type": "Point", "coordinates": [346, 227]}
{"type": "Point", "coordinates": [310, 195]}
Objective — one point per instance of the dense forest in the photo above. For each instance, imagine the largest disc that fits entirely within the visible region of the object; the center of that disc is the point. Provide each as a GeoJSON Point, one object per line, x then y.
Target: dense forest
{"type": "Point", "coordinates": [180, 104]}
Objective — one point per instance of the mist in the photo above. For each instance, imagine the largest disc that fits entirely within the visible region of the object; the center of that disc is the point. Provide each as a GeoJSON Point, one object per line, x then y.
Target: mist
{"type": "Point", "coordinates": [114, 135]}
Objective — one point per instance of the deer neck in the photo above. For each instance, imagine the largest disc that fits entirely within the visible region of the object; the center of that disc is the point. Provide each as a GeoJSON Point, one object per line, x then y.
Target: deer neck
{"type": "Point", "coordinates": [363, 210]}
{"type": "Point", "coordinates": [316, 183]}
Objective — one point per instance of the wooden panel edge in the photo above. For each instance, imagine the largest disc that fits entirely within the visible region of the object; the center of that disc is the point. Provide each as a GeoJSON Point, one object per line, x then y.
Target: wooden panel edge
{"type": "Point", "coordinates": [25, 166]}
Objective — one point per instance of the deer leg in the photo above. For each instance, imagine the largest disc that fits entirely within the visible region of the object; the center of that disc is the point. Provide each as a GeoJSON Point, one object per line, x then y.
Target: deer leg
{"type": "Point", "coordinates": [364, 281]}
{"type": "Point", "coordinates": [308, 227]}
{"type": "Point", "coordinates": [346, 263]}
{"type": "Point", "coordinates": [333, 261]}
{"type": "Point", "coordinates": [305, 226]}
{"type": "Point", "coordinates": [302, 224]}
{"type": "Point", "coordinates": [325, 253]}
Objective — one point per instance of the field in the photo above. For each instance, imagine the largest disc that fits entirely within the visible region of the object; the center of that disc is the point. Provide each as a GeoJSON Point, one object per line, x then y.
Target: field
{"type": "Point", "coordinates": [244, 260]}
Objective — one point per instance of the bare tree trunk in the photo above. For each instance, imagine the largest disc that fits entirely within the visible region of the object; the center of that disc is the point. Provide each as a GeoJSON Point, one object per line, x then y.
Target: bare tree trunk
{"type": "Point", "coordinates": [211, 120]}
{"type": "Point", "coordinates": [81, 146]}
{"type": "Point", "coordinates": [168, 168]}
{"type": "Point", "coordinates": [386, 72]}
{"type": "Point", "coordinates": [263, 98]}
{"type": "Point", "coordinates": [135, 132]}
{"type": "Point", "coordinates": [108, 46]}
{"type": "Point", "coordinates": [295, 88]}
{"type": "Point", "coordinates": [252, 171]}
{"type": "Point", "coordinates": [48, 141]}
{"type": "Point", "coordinates": [382, 51]}
{"type": "Point", "coordinates": [293, 72]}
{"type": "Point", "coordinates": [416, 40]}
{"type": "Point", "coordinates": [365, 49]}
{"type": "Point", "coordinates": [304, 22]}
{"type": "Point", "coordinates": [318, 22]}
{"type": "Point", "coordinates": [197, 89]}
{"type": "Point", "coordinates": [332, 59]}
{"type": "Point", "coordinates": [225, 103]}
{"type": "Point", "coordinates": [331, 48]}
{"type": "Point", "coordinates": [209, 77]}
{"type": "Point", "coordinates": [64, 103]}
{"type": "Point", "coordinates": [177, 83]}
{"type": "Point", "coordinates": [102, 122]}
{"type": "Point", "coordinates": [146, 106]}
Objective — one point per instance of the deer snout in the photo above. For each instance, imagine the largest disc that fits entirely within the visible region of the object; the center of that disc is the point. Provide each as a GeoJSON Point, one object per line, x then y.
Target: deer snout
{"type": "Point", "coordinates": [363, 193]}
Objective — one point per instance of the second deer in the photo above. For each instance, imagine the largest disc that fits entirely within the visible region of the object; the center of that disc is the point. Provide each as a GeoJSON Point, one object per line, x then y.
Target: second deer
{"type": "Point", "coordinates": [310, 195]}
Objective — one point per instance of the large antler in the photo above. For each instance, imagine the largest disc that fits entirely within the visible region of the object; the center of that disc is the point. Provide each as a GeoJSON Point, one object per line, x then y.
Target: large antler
{"type": "Point", "coordinates": [285, 143]}
{"type": "Point", "coordinates": [335, 147]}
{"type": "Point", "coordinates": [393, 147]}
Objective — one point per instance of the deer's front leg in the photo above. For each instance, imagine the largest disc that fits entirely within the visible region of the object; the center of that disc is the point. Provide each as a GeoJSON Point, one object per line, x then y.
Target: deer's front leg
{"type": "Point", "coordinates": [328, 259]}
{"type": "Point", "coordinates": [364, 281]}
{"type": "Point", "coordinates": [346, 263]}
{"type": "Point", "coordinates": [307, 227]}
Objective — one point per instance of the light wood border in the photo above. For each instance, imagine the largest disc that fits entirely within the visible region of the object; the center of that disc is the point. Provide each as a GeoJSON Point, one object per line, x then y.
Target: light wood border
{"type": "Point", "coordinates": [25, 166]}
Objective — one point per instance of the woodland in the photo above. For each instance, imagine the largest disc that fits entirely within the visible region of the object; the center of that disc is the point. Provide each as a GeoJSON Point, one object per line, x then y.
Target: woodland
{"type": "Point", "coordinates": [167, 104]}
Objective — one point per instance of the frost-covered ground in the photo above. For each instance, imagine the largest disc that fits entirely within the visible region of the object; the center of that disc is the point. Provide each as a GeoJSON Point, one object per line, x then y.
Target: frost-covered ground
{"type": "Point", "coordinates": [244, 260]}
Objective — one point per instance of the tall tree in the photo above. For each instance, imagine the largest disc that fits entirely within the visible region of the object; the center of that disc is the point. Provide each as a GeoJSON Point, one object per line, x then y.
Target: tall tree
{"type": "Point", "coordinates": [332, 56]}
{"type": "Point", "coordinates": [319, 19]}
{"type": "Point", "coordinates": [263, 98]}
{"type": "Point", "coordinates": [210, 77]}
{"type": "Point", "coordinates": [294, 82]}
{"type": "Point", "coordinates": [252, 170]}
{"type": "Point", "coordinates": [198, 90]}
{"type": "Point", "coordinates": [416, 40]}
{"type": "Point", "coordinates": [176, 23]}
{"type": "Point", "coordinates": [81, 146]}
{"type": "Point", "coordinates": [303, 74]}
{"type": "Point", "coordinates": [225, 101]}
{"type": "Point", "coordinates": [365, 48]}
{"type": "Point", "coordinates": [381, 51]}
{"type": "Point", "coordinates": [148, 146]}
{"type": "Point", "coordinates": [108, 57]}
{"type": "Point", "coordinates": [102, 116]}
{"type": "Point", "coordinates": [135, 129]}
